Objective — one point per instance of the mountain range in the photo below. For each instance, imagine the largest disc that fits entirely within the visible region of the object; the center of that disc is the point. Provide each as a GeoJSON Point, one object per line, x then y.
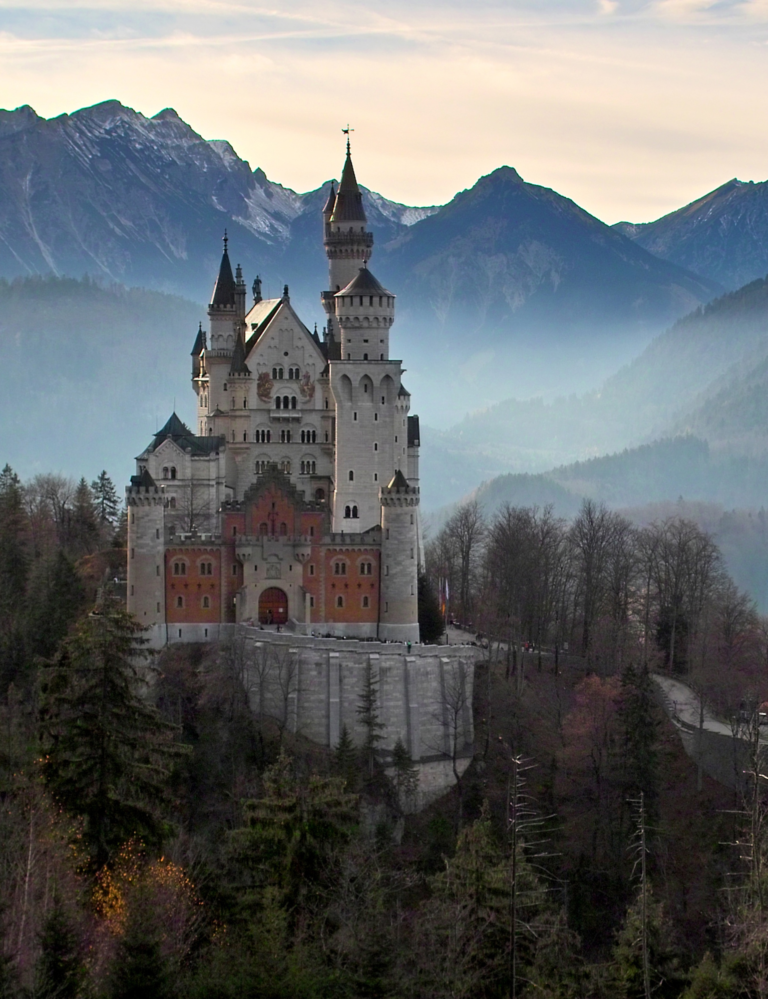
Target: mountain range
{"type": "Point", "coordinates": [722, 236]}
{"type": "Point", "coordinates": [484, 283]}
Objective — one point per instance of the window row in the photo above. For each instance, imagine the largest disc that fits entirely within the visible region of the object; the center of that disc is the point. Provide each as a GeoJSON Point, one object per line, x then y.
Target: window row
{"type": "Point", "coordinates": [365, 601]}
{"type": "Point", "coordinates": [264, 529]}
{"type": "Point", "coordinates": [181, 602]}
{"type": "Point", "coordinates": [309, 437]}
{"type": "Point", "coordinates": [308, 467]}
{"type": "Point", "coordinates": [294, 374]}
{"type": "Point", "coordinates": [350, 512]}
{"type": "Point", "coordinates": [286, 402]}
{"type": "Point", "coordinates": [169, 473]}
{"type": "Point", "coordinates": [340, 568]}
{"type": "Point", "coordinates": [262, 464]}
{"type": "Point", "coordinates": [180, 568]}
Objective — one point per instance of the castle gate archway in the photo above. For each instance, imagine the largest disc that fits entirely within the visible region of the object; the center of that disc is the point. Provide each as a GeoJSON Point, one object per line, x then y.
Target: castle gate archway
{"type": "Point", "coordinates": [273, 606]}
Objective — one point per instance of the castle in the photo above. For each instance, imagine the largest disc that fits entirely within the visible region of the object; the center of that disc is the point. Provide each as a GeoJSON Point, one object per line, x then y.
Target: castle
{"type": "Point", "coordinates": [296, 501]}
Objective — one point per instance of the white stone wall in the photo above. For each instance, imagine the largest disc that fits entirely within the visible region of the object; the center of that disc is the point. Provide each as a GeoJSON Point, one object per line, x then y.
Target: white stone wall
{"type": "Point", "coordinates": [146, 565]}
{"type": "Point", "coordinates": [364, 321]}
{"type": "Point", "coordinates": [365, 394]}
{"type": "Point", "coordinates": [399, 610]}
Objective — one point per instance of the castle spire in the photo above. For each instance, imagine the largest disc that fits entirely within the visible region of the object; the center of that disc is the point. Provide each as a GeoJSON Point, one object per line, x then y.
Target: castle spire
{"type": "Point", "coordinates": [225, 288]}
{"type": "Point", "coordinates": [348, 206]}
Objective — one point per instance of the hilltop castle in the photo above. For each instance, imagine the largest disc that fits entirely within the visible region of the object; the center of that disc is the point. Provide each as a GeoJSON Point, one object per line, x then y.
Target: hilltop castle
{"type": "Point", "coordinates": [297, 500]}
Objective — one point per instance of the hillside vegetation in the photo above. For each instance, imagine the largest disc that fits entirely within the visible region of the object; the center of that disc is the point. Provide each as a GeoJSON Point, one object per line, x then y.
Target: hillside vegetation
{"type": "Point", "coordinates": [160, 838]}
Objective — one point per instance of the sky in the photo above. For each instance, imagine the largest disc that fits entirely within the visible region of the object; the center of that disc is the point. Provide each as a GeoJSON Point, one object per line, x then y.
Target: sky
{"type": "Point", "coordinates": [632, 108]}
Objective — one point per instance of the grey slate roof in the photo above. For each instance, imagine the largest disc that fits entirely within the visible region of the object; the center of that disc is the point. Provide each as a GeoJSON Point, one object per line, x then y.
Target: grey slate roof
{"type": "Point", "coordinates": [349, 199]}
{"type": "Point", "coordinates": [143, 481]}
{"type": "Point", "coordinates": [199, 345]}
{"type": "Point", "coordinates": [364, 283]}
{"type": "Point", "coordinates": [182, 436]}
{"type": "Point", "coordinates": [225, 287]}
{"type": "Point", "coordinates": [238, 366]}
{"type": "Point", "coordinates": [398, 481]}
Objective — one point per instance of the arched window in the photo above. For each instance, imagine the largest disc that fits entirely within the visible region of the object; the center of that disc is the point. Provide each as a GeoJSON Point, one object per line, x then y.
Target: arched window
{"type": "Point", "coordinates": [339, 601]}
{"type": "Point", "coordinates": [365, 358]}
{"type": "Point", "coordinates": [179, 568]}
{"type": "Point", "coordinates": [351, 475]}
{"type": "Point", "coordinates": [314, 467]}
{"type": "Point", "coordinates": [320, 495]}
{"type": "Point", "coordinates": [280, 373]}
{"type": "Point", "coordinates": [173, 503]}
{"type": "Point", "coordinates": [206, 603]}
{"type": "Point", "coordinates": [233, 436]}
{"type": "Point", "coordinates": [347, 512]}
{"type": "Point", "coordinates": [179, 601]}
{"type": "Point", "coordinates": [354, 513]}
{"type": "Point", "coordinates": [274, 374]}
{"type": "Point", "coordinates": [314, 437]}
{"type": "Point", "coordinates": [263, 530]}
{"type": "Point", "coordinates": [245, 404]}
{"type": "Point", "coordinates": [366, 602]}
{"type": "Point", "coordinates": [339, 568]}
{"type": "Point", "coordinates": [245, 435]}
{"type": "Point", "coordinates": [283, 529]}
{"type": "Point", "coordinates": [375, 445]}
{"type": "Point", "coordinates": [278, 402]}
{"type": "Point", "coordinates": [293, 402]}
{"type": "Point", "coordinates": [173, 471]}
{"type": "Point", "coordinates": [286, 402]}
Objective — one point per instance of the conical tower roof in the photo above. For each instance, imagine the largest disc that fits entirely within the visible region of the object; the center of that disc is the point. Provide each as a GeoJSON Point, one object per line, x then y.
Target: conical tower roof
{"type": "Point", "coordinates": [225, 287]}
{"type": "Point", "coordinates": [238, 366]}
{"type": "Point", "coordinates": [349, 199]}
{"type": "Point", "coordinates": [330, 203]}
{"type": "Point", "coordinates": [199, 345]}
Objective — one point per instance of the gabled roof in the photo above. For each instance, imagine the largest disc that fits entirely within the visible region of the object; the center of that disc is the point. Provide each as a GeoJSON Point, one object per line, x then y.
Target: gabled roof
{"type": "Point", "coordinates": [364, 283]}
{"type": "Point", "coordinates": [225, 287]}
{"type": "Point", "coordinates": [279, 306]}
{"type": "Point", "coordinates": [180, 435]}
{"type": "Point", "coordinates": [348, 206]}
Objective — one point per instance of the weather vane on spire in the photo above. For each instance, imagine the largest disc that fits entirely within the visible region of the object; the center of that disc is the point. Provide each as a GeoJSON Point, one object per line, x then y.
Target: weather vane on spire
{"type": "Point", "coordinates": [346, 132]}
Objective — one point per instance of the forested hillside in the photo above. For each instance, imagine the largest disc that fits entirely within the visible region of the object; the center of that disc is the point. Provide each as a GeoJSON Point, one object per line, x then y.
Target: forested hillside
{"type": "Point", "coordinates": [161, 838]}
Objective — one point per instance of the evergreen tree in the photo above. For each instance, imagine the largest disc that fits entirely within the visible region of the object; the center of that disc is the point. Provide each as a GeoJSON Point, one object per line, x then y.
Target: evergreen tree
{"type": "Point", "coordinates": [646, 920]}
{"type": "Point", "coordinates": [346, 761]}
{"type": "Point", "coordinates": [84, 528]}
{"type": "Point", "coordinates": [57, 597]}
{"type": "Point", "coordinates": [120, 537]}
{"type": "Point", "coordinates": [640, 735]}
{"type": "Point", "coordinates": [431, 623]}
{"type": "Point", "coordinates": [139, 969]}
{"type": "Point", "coordinates": [60, 969]}
{"type": "Point", "coordinates": [14, 565]}
{"type": "Point", "coordinates": [292, 831]}
{"type": "Point", "coordinates": [368, 713]}
{"type": "Point", "coordinates": [108, 753]}
{"type": "Point", "coordinates": [406, 775]}
{"type": "Point", "coordinates": [105, 499]}
{"type": "Point", "coordinates": [9, 980]}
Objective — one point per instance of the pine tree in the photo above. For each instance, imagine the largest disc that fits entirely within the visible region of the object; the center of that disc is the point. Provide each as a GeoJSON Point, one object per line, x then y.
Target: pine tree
{"type": "Point", "coordinates": [57, 596]}
{"type": "Point", "coordinates": [139, 969]}
{"type": "Point", "coordinates": [14, 564]}
{"type": "Point", "coordinates": [120, 536]}
{"type": "Point", "coordinates": [84, 528]}
{"type": "Point", "coordinates": [406, 775]}
{"type": "Point", "coordinates": [640, 734]}
{"type": "Point", "coordinates": [431, 623]}
{"type": "Point", "coordinates": [346, 762]}
{"type": "Point", "coordinates": [60, 969]}
{"type": "Point", "coordinates": [105, 499]}
{"type": "Point", "coordinates": [108, 753]}
{"type": "Point", "coordinates": [368, 713]}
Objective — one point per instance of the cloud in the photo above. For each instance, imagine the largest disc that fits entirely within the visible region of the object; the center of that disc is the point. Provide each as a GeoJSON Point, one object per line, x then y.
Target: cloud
{"type": "Point", "coordinates": [630, 107]}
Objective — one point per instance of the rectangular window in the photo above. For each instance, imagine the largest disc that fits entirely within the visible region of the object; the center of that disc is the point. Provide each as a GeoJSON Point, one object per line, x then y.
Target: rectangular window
{"type": "Point", "coordinates": [157, 570]}
{"type": "Point", "coordinates": [311, 601]}
{"type": "Point", "coordinates": [133, 553]}
{"type": "Point", "coordinates": [157, 532]}
{"type": "Point", "coordinates": [158, 608]}
{"type": "Point", "coordinates": [311, 569]}
{"type": "Point", "coordinates": [131, 589]}
{"type": "Point", "coordinates": [354, 417]}
{"type": "Point", "coordinates": [234, 569]}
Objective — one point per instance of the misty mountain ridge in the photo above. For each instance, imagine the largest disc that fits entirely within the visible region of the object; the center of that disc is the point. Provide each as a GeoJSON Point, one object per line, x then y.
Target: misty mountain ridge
{"type": "Point", "coordinates": [486, 284]}
{"type": "Point", "coordinates": [722, 236]}
{"type": "Point", "coordinates": [704, 376]}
